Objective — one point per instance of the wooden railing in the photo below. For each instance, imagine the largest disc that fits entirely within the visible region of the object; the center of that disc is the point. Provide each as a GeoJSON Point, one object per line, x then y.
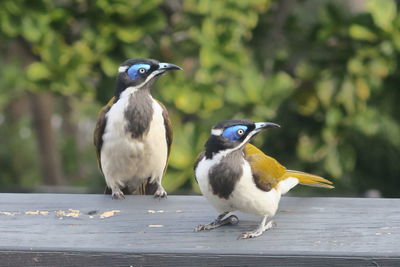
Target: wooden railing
{"type": "Point", "coordinates": [94, 230]}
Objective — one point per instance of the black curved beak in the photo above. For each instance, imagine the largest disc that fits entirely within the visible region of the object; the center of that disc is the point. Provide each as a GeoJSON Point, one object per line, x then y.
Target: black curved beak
{"type": "Point", "coordinates": [265, 125]}
{"type": "Point", "coordinates": [168, 66]}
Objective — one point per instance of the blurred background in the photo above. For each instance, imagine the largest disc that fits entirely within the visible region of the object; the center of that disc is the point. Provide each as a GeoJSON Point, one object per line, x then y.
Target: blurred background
{"type": "Point", "coordinates": [327, 71]}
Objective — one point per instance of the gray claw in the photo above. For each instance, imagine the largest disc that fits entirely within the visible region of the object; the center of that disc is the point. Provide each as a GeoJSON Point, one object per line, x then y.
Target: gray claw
{"type": "Point", "coordinates": [201, 227]}
{"type": "Point", "coordinates": [231, 220]}
{"type": "Point", "coordinates": [259, 231]}
{"type": "Point", "coordinates": [247, 235]}
{"type": "Point", "coordinates": [117, 195]}
{"type": "Point", "coordinates": [160, 193]}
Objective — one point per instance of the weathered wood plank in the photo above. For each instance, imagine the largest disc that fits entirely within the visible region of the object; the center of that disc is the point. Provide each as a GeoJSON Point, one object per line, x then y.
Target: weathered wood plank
{"type": "Point", "coordinates": [18, 258]}
{"type": "Point", "coordinates": [39, 229]}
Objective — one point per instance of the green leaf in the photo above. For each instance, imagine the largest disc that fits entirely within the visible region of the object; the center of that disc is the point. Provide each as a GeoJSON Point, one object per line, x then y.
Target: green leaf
{"type": "Point", "coordinates": [129, 35]}
{"type": "Point", "coordinates": [332, 161]}
{"type": "Point", "coordinates": [383, 12]}
{"type": "Point", "coordinates": [8, 25]}
{"type": "Point", "coordinates": [346, 95]}
{"type": "Point", "coordinates": [109, 66]}
{"type": "Point", "coordinates": [38, 71]}
{"type": "Point", "coordinates": [188, 101]}
{"type": "Point", "coordinates": [361, 33]}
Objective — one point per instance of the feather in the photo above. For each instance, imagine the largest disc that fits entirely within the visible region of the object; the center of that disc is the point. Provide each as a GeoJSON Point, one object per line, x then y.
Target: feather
{"type": "Point", "coordinates": [148, 188]}
{"type": "Point", "coordinates": [268, 172]}
{"type": "Point", "coordinates": [309, 179]}
{"type": "Point", "coordinates": [99, 130]}
{"type": "Point", "coordinates": [168, 130]}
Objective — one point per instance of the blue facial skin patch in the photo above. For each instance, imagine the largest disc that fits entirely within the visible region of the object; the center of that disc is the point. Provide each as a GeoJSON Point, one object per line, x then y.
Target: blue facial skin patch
{"type": "Point", "coordinates": [232, 134]}
{"type": "Point", "coordinates": [133, 71]}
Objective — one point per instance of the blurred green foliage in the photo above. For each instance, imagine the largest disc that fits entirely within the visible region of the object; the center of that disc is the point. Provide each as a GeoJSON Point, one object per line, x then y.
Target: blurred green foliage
{"type": "Point", "coordinates": [327, 71]}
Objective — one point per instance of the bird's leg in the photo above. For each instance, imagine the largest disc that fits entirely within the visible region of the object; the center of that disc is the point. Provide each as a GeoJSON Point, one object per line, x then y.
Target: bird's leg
{"type": "Point", "coordinates": [115, 187]}
{"type": "Point", "coordinates": [160, 192]}
{"type": "Point", "coordinates": [264, 226]}
{"type": "Point", "coordinates": [117, 193]}
{"type": "Point", "coordinates": [218, 222]}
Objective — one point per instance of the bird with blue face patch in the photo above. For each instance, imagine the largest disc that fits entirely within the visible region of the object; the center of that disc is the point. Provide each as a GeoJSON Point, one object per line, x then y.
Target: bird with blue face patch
{"type": "Point", "coordinates": [133, 134]}
{"type": "Point", "coordinates": [236, 176]}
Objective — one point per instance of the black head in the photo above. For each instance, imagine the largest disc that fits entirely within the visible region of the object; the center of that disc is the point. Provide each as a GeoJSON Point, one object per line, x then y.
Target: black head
{"type": "Point", "coordinates": [140, 73]}
{"type": "Point", "coordinates": [233, 134]}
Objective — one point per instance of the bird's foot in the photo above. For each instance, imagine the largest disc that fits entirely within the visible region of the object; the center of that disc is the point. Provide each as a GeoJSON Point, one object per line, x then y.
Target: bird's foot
{"type": "Point", "coordinates": [117, 194]}
{"type": "Point", "coordinates": [231, 220]}
{"type": "Point", "coordinates": [160, 193]}
{"type": "Point", "coordinates": [259, 231]}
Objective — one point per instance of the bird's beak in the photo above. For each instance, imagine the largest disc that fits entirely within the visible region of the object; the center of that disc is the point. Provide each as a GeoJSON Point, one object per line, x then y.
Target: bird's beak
{"type": "Point", "coordinates": [168, 66]}
{"type": "Point", "coordinates": [259, 126]}
{"type": "Point", "coordinates": [264, 125]}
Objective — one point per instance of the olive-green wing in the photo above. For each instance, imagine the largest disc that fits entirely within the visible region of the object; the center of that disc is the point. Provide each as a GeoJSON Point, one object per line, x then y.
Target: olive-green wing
{"type": "Point", "coordinates": [267, 172]}
{"type": "Point", "coordinates": [99, 130]}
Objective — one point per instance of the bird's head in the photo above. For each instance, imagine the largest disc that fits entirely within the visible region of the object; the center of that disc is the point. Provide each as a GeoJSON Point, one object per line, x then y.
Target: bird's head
{"type": "Point", "coordinates": [233, 134]}
{"type": "Point", "coordinates": [140, 73]}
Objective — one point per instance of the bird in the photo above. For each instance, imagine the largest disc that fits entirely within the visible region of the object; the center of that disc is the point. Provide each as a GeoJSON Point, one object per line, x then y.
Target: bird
{"type": "Point", "coordinates": [235, 175]}
{"type": "Point", "coordinates": [133, 133]}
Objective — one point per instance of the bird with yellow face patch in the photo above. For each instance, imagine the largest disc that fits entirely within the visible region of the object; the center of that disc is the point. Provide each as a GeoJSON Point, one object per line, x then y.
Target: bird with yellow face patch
{"type": "Point", "coordinates": [236, 176]}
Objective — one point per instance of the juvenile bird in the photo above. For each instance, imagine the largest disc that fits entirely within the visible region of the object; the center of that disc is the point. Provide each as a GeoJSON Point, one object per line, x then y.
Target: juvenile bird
{"type": "Point", "coordinates": [234, 175]}
{"type": "Point", "coordinates": [133, 134]}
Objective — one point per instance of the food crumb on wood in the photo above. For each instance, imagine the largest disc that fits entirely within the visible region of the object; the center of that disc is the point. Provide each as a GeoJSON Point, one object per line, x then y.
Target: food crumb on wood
{"type": "Point", "coordinates": [387, 233]}
{"type": "Point", "coordinates": [9, 213]}
{"type": "Point", "coordinates": [110, 213]}
{"type": "Point", "coordinates": [68, 213]}
{"type": "Point", "coordinates": [36, 212]}
{"type": "Point", "coordinates": [155, 211]}
{"type": "Point", "coordinates": [390, 227]}
{"type": "Point", "coordinates": [155, 225]}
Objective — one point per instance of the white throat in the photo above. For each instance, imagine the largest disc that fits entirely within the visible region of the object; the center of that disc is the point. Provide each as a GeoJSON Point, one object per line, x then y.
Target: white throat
{"type": "Point", "coordinates": [133, 89]}
{"type": "Point", "coordinates": [129, 91]}
{"type": "Point", "coordinates": [219, 155]}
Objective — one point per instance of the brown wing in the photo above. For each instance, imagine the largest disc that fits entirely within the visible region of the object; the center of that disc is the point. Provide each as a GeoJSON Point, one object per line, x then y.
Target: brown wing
{"type": "Point", "coordinates": [267, 172]}
{"type": "Point", "coordinates": [168, 129]}
{"type": "Point", "coordinates": [99, 130]}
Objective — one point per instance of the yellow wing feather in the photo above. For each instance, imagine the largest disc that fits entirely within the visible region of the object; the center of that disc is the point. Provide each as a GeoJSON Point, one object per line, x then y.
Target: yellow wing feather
{"type": "Point", "coordinates": [268, 172]}
{"type": "Point", "coordinates": [309, 179]}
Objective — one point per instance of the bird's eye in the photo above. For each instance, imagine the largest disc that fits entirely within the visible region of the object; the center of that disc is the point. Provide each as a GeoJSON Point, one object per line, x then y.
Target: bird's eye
{"type": "Point", "coordinates": [240, 132]}
{"type": "Point", "coordinates": [142, 70]}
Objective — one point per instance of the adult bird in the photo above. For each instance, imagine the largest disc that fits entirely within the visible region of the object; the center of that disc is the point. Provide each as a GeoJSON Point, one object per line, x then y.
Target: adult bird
{"type": "Point", "coordinates": [133, 134]}
{"type": "Point", "coordinates": [235, 175]}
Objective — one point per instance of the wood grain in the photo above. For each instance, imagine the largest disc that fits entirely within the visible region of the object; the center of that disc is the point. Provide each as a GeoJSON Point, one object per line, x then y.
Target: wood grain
{"type": "Point", "coordinates": [93, 230]}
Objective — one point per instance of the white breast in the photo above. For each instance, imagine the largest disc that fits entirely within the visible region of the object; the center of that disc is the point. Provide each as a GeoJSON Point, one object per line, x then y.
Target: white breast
{"type": "Point", "coordinates": [156, 143]}
{"type": "Point", "coordinates": [201, 172]}
{"type": "Point", "coordinates": [126, 160]}
{"type": "Point", "coordinates": [246, 197]}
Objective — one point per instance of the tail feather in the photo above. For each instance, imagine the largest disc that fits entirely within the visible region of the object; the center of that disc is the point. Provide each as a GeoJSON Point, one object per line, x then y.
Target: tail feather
{"type": "Point", "coordinates": [309, 179]}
